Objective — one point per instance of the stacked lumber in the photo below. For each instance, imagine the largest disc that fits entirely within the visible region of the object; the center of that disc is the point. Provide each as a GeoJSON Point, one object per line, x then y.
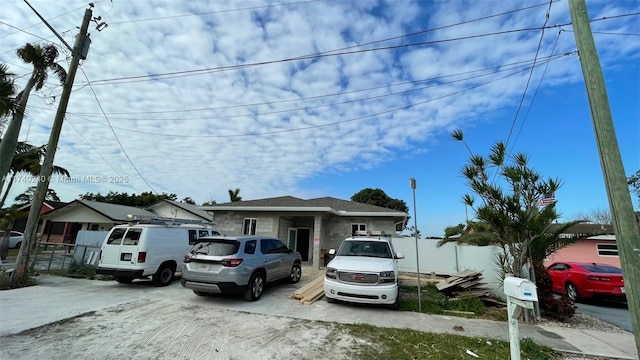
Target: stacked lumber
{"type": "Point", "coordinates": [310, 292]}
{"type": "Point", "coordinates": [465, 283]}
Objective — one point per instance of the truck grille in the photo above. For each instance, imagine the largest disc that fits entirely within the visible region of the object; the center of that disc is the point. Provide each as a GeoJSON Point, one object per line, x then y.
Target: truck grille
{"type": "Point", "coordinates": [357, 278]}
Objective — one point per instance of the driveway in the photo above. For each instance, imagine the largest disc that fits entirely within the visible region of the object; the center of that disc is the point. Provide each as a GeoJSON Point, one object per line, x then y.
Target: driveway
{"type": "Point", "coordinates": [615, 313]}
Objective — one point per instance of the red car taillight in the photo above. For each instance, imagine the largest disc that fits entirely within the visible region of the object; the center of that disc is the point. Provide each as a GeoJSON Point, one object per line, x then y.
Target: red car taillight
{"type": "Point", "coordinates": [231, 262]}
{"type": "Point", "coordinates": [598, 278]}
{"type": "Point", "coordinates": [142, 257]}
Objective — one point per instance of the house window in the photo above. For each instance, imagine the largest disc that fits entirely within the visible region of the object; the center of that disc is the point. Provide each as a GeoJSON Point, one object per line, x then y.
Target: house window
{"type": "Point", "coordinates": [358, 228]}
{"type": "Point", "coordinates": [249, 226]}
{"type": "Point", "coordinates": [607, 249]}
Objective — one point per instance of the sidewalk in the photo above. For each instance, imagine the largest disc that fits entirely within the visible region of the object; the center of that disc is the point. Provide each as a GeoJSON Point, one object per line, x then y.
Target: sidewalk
{"type": "Point", "coordinates": [57, 298]}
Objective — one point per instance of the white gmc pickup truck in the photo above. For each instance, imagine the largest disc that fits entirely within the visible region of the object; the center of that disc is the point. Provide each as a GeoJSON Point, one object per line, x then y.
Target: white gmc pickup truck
{"type": "Point", "coordinates": [364, 270]}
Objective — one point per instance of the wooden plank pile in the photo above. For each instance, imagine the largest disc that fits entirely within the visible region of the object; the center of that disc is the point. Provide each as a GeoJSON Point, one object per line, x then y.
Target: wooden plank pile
{"type": "Point", "coordinates": [310, 292]}
{"type": "Point", "coordinates": [465, 283]}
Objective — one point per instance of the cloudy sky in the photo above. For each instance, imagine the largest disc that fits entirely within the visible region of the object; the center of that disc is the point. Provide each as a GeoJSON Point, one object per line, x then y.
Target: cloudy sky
{"type": "Point", "coordinates": [327, 97]}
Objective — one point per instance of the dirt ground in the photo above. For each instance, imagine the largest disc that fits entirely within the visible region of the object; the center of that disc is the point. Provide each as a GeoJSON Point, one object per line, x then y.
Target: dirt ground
{"type": "Point", "coordinates": [162, 329]}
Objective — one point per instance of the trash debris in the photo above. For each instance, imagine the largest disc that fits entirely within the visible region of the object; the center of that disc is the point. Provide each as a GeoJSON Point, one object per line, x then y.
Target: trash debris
{"type": "Point", "coordinates": [469, 352]}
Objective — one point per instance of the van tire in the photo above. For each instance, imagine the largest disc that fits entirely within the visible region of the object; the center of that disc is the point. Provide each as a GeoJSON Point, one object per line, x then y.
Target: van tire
{"type": "Point", "coordinates": [164, 275]}
{"type": "Point", "coordinates": [255, 288]}
{"type": "Point", "coordinates": [123, 279]}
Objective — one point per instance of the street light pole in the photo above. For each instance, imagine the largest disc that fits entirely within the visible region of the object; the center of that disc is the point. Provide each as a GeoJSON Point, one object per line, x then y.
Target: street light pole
{"type": "Point", "coordinates": [412, 181]}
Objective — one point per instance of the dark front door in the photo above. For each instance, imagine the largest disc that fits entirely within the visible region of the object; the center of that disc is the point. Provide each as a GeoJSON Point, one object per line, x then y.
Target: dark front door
{"type": "Point", "coordinates": [302, 243]}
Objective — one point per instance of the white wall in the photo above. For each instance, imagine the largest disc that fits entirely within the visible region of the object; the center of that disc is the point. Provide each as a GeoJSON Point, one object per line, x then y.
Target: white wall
{"type": "Point", "coordinates": [449, 259]}
{"type": "Point", "coordinates": [88, 245]}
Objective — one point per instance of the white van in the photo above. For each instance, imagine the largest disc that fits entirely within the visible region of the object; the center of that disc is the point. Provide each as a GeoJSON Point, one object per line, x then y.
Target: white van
{"type": "Point", "coordinates": [155, 248]}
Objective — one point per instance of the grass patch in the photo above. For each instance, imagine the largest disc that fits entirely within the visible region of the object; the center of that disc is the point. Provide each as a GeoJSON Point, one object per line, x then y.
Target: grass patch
{"type": "Point", "coordinates": [434, 302]}
{"type": "Point", "coordinates": [6, 284]}
{"type": "Point", "coordinates": [404, 344]}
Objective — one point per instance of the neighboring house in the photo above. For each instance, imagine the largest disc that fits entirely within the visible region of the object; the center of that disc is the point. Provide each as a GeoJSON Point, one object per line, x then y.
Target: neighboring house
{"type": "Point", "coordinates": [594, 243]}
{"type": "Point", "coordinates": [91, 215]}
{"type": "Point", "coordinates": [309, 226]}
{"type": "Point", "coordinates": [57, 231]}
{"type": "Point", "coordinates": [178, 210]}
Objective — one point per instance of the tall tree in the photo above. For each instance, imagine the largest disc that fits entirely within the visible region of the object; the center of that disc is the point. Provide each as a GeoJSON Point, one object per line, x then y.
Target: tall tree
{"type": "Point", "coordinates": [234, 195]}
{"type": "Point", "coordinates": [27, 196]}
{"type": "Point", "coordinates": [28, 159]}
{"type": "Point", "coordinates": [142, 200]}
{"type": "Point", "coordinates": [511, 206]}
{"type": "Point", "coordinates": [7, 92]}
{"type": "Point", "coordinates": [378, 197]}
{"type": "Point", "coordinates": [43, 59]}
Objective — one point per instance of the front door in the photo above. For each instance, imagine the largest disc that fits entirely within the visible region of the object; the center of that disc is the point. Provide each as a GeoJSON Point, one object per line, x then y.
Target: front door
{"type": "Point", "coordinates": [291, 239]}
{"type": "Point", "coordinates": [302, 243]}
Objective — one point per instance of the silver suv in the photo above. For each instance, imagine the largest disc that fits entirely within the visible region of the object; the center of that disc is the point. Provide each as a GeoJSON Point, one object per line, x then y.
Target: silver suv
{"type": "Point", "coordinates": [238, 264]}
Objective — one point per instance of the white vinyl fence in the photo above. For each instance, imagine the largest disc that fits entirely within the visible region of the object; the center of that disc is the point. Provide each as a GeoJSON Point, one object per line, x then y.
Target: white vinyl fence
{"type": "Point", "coordinates": [88, 244]}
{"type": "Point", "coordinates": [449, 259]}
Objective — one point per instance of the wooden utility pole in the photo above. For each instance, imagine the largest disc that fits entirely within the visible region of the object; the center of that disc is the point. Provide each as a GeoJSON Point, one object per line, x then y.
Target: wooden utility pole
{"type": "Point", "coordinates": [46, 170]}
{"type": "Point", "coordinates": [615, 179]}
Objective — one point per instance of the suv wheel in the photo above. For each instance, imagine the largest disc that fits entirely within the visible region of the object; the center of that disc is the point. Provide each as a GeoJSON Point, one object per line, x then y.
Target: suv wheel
{"type": "Point", "coordinates": [296, 273]}
{"type": "Point", "coordinates": [254, 288]}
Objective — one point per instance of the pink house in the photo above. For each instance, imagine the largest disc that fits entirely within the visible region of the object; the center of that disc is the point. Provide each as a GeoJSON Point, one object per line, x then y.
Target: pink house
{"type": "Point", "coordinates": [599, 249]}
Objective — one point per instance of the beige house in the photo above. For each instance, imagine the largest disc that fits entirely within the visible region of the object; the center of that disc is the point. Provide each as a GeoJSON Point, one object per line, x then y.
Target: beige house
{"type": "Point", "coordinates": [179, 210]}
{"type": "Point", "coordinates": [311, 227]}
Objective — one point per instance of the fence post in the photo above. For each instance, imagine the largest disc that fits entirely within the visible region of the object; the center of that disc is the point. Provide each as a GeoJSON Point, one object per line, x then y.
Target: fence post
{"type": "Point", "coordinates": [64, 256]}
{"type": "Point", "coordinates": [51, 259]}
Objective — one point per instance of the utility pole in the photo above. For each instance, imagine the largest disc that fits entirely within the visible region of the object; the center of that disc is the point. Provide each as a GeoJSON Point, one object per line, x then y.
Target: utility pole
{"type": "Point", "coordinates": [412, 182]}
{"type": "Point", "coordinates": [46, 170]}
{"type": "Point", "coordinates": [624, 222]}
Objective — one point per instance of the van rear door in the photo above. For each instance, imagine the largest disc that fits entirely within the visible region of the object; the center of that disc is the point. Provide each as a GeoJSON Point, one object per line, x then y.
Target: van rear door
{"type": "Point", "coordinates": [121, 247]}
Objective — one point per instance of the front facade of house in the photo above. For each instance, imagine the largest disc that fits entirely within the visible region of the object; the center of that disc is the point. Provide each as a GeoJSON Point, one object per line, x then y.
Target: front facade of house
{"type": "Point", "coordinates": [311, 227]}
{"type": "Point", "coordinates": [600, 249]}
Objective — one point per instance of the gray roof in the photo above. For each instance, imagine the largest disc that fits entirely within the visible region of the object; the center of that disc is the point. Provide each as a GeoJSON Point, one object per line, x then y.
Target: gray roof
{"type": "Point", "coordinates": [192, 208]}
{"type": "Point", "coordinates": [290, 203]}
{"type": "Point", "coordinates": [114, 212]}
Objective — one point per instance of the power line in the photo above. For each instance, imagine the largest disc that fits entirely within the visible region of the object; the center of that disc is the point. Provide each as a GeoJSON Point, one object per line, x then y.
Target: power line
{"type": "Point", "coordinates": [524, 93]}
{"type": "Point", "coordinates": [211, 12]}
{"type": "Point", "coordinates": [115, 135]}
{"type": "Point", "coordinates": [336, 103]}
{"type": "Point", "coordinates": [536, 92]}
{"type": "Point", "coordinates": [514, 64]}
{"type": "Point", "coordinates": [312, 126]}
{"type": "Point", "coordinates": [49, 19]}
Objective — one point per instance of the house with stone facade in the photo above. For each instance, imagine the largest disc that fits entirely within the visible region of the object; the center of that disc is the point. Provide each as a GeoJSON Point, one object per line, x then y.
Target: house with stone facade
{"type": "Point", "coordinates": [311, 227]}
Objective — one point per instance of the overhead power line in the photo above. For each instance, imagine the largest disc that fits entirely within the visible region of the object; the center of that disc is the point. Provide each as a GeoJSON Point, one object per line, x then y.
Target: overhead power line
{"type": "Point", "coordinates": [274, 132]}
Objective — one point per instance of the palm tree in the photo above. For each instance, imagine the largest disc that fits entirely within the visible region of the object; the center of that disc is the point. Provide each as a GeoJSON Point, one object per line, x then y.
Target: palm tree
{"type": "Point", "coordinates": [7, 91]}
{"type": "Point", "coordinates": [43, 59]}
{"type": "Point", "coordinates": [234, 195]}
{"type": "Point", "coordinates": [28, 159]}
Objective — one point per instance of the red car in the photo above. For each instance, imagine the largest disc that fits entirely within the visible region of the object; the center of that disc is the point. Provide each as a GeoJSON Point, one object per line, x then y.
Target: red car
{"type": "Point", "coordinates": [582, 280]}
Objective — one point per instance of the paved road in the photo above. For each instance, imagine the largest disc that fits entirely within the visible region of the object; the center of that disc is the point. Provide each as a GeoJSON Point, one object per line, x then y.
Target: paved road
{"type": "Point", "coordinates": [615, 313]}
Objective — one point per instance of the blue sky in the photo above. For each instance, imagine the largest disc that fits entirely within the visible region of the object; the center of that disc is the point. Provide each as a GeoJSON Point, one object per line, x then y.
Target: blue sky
{"type": "Point", "coordinates": [371, 117]}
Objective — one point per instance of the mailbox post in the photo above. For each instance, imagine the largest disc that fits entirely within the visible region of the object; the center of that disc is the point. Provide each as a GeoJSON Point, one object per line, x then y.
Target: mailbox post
{"type": "Point", "coordinates": [521, 293]}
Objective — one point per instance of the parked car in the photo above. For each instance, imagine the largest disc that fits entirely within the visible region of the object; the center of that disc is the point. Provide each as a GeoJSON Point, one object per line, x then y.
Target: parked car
{"type": "Point", "coordinates": [239, 264]}
{"type": "Point", "coordinates": [583, 280]}
{"type": "Point", "coordinates": [15, 240]}
{"type": "Point", "coordinates": [363, 270]}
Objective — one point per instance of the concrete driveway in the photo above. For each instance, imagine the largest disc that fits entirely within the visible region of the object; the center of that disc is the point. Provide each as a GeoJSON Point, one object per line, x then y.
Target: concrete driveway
{"type": "Point", "coordinates": [615, 313]}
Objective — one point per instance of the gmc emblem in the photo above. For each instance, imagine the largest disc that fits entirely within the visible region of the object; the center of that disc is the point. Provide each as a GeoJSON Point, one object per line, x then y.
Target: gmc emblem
{"type": "Point", "coordinates": [357, 277]}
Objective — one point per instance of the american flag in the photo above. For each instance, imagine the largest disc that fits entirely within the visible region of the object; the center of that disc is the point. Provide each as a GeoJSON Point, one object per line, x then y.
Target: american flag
{"type": "Point", "coordinates": [548, 198]}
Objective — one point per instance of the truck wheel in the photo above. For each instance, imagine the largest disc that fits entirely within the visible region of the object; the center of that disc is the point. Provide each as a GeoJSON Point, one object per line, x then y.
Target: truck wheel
{"type": "Point", "coordinates": [254, 288]}
{"type": "Point", "coordinates": [163, 276]}
{"type": "Point", "coordinates": [330, 300]}
{"type": "Point", "coordinates": [123, 279]}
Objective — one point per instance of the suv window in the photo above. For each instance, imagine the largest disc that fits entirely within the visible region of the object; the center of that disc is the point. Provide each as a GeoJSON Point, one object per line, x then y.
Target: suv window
{"type": "Point", "coordinates": [115, 238]}
{"type": "Point", "coordinates": [280, 247]}
{"type": "Point", "coordinates": [267, 246]}
{"type": "Point", "coordinates": [216, 247]}
{"type": "Point", "coordinates": [250, 247]}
